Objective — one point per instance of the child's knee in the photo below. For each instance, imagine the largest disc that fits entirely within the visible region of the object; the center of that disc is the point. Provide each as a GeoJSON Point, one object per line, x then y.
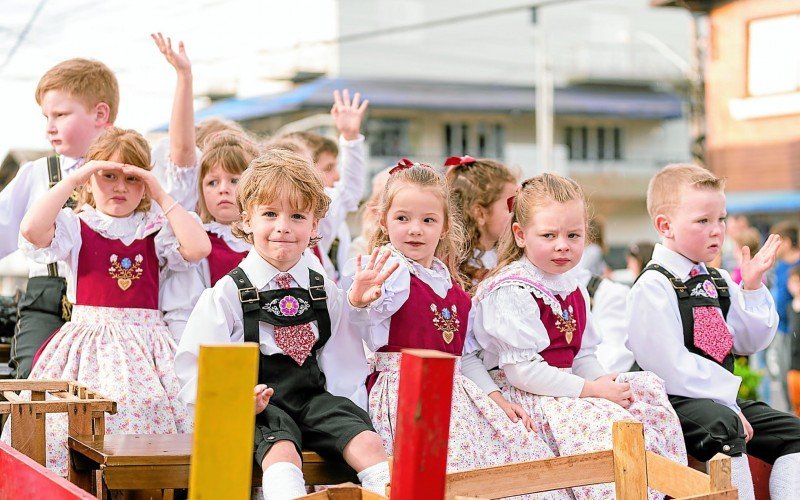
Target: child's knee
{"type": "Point", "coordinates": [368, 442]}
{"type": "Point", "coordinates": [282, 451]}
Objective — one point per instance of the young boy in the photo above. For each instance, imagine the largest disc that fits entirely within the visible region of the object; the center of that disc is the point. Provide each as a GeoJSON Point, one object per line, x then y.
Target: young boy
{"type": "Point", "coordinates": [685, 321]}
{"type": "Point", "coordinates": [308, 361]}
{"type": "Point", "coordinates": [79, 100]}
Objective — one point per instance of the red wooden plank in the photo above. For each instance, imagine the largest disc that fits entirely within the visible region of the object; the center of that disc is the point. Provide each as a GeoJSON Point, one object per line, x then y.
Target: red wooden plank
{"type": "Point", "coordinates": [21, 477]}
{"type": "Point", "coordinates": [423, 425]}
{"type": "Point", "coordinates": [760, 471]}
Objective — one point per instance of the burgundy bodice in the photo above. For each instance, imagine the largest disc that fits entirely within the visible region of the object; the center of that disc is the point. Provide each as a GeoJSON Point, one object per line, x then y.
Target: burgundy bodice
{"type": "Point", "coordinates": [113, 274]}
{"type": "Point", "coordinates": [427, 321]}
{"type": "Point", "coordinates": [222, 259]}
{"type": "Point", "coordinates": [561, 353]}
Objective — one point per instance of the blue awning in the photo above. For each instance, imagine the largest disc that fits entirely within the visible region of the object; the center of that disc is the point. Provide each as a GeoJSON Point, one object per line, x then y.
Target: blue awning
{"type": "Point", "coordinates": [763, 202]}
{"type": "Point", "coordinates": [581, 100]}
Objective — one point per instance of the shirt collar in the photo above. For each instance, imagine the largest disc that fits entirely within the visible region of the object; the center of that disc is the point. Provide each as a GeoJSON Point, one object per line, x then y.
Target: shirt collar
{"type": "Point", "coordinates": [70, 164]}
{"type": "Point", "coordinates": [675, 263]}
{"type": "Point", "coordinates": [262, 274]}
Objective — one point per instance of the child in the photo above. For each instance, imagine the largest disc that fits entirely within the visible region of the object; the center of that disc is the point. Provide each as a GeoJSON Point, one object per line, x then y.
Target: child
{"type": "Point", "coordinates": [748, 237]}
{"type": "Point", "coordinates": [793, 377]}
{"type": "Point", "coordinates": [79, 99]}
{"type": "Point", "coordinates": [423, 306]}
{"type": "Point", "coordinates": [481, 189]}
{"type": "Point", "coordinates": [369, 218]}
{"type": "Point", "coordinates": [685, 322]}
{"type": "Point", "coordinates": [115, 247]}
{"type": "Point", "coordinates": [532, 320]}
{"type": "Point", "coordinates": [308, 361]}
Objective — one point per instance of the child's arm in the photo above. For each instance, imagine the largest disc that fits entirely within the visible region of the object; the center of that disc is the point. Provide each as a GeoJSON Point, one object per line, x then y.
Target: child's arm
{"type": "Point", "coordinates": [192, 237]}
{"type": "Point", "coordinates": [38, 225]}
{"type": "Point", "coordinates": [262, 393]}
{"type": "Point", "coordinates": [16, 199]}
{"type": "Point", "coordinates": [181, 124]}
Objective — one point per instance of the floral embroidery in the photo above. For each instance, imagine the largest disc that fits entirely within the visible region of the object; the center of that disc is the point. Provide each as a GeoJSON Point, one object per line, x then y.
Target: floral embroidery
{"type": "Point", "coordinates": [446, 321]}
{"type": "Point", "coordinates": [287, 306]}
{"type": "Point", "coordinates": [567, 324]}
{"type": "Point", "coordinates": [710, 289]}
{"type": "Point", "coordinates": [125, 270]}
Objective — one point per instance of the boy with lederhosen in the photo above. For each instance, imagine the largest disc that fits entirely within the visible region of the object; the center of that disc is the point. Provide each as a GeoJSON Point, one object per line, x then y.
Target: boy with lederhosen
{"type": "Point", "coordinates": [309, 365]}
{"type": "Point", "coordinates": [686, 320]}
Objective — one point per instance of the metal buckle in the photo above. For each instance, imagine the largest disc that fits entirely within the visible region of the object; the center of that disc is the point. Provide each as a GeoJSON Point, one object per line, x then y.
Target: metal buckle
{"type": "Point", "coordinates": [678, 284]}
{"type": "Point", "coordinates": [316, 297]}
{"type": "Point", "coordinates": [248, 295]}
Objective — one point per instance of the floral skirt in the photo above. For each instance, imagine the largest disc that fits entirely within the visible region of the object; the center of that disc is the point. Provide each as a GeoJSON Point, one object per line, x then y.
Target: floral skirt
{"type": "Point", "coordinates": [481, 434]}
{"type": "Point", "coordinates": [571, 426]}
{"type": "Point", "coordinates": [126, 355]}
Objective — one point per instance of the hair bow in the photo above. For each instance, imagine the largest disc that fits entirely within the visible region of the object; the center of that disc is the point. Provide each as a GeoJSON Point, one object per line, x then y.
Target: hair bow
{"type": "Point", "coordinates": [457, 161]}
{"type": "Point", "coordinates": [404, 164]}
{"type": "Point", "coordinates": [510, 203]}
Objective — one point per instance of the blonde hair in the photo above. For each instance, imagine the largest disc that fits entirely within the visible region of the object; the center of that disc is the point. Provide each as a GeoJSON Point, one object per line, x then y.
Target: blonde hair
{"type": "Point", "coordinates": [276, 174]}
{"type": "Point", "coordinates": [750, 237]}
{"type": "Point", "coordinates": [535, 192]}
{"type": "Point", "coordinates": [123, 146]}
{"type": "Point", "coordinates": [316, 144]}
{"type": "Point", "coordinates": [91, 82]}
{"type": "Point", "coordinates": [370, 210]}
{"type": "Point", "coordinates": [210, 126]}
{"type": "Point", "coordinates": [452, 246]}
{"type": "Point", "coordinates": [232, 152]}
{"type": "Point", "coordinates": [478, 183]}
{"type": "Point", "coordinates": [294, 145]}
{"type": "Point", "coordinates": [665, 188]}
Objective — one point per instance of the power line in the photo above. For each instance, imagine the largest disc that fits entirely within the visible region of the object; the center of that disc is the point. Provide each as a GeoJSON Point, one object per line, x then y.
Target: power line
{"type": "Point", "coordinates": [23, 34]}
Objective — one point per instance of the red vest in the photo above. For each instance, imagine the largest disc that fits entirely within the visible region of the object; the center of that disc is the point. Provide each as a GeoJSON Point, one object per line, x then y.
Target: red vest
{"type": "Point", "coordinates": [560, 353]}
{"type": "Point", "coordinates": [222, 259]}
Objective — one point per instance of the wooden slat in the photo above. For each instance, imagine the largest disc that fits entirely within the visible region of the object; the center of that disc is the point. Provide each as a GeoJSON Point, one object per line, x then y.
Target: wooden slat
{"type": "Point", "coordinates": [630, 465]}
{"type": "Point", "coordinates": [134, 449]}
{"type": "Point", "coordinates": [27, 431]}
{"type": "Point", "coordinates": [12, 396]}
{"type": "Point", "coordinates": [533, 477]}
{"type": "Point", "coordinates": [719, 472]}
{"type": "Point", "coordinates": [224, 423]}
{"type": "Point", "coordinates": [22, 477]}
{"type": "Point", "coordinates": [34, 385]}
{"type": "Point", "coordinates": [143, 477]}
{"type": "Point", "coordinates": [674, 479]}
{"type": "Point", "coordinates": [730, 494]}
{"type": "Point", "coordinates": [61, 405]}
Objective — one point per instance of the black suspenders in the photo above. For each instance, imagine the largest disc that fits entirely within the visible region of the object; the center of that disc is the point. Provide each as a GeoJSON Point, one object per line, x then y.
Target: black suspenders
{"type": "Point", "coordinates": [54, 177]}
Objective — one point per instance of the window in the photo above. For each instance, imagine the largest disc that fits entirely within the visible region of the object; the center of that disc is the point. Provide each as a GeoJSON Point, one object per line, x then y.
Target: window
{"type": "Point", "coordinates": [593, 143]}
{"type": "Point", "coordinates": [388, 137]}
{"type": "Point", "coordinates": [773, 61]}
{"type": "Point", "coordinates": [477, 139]}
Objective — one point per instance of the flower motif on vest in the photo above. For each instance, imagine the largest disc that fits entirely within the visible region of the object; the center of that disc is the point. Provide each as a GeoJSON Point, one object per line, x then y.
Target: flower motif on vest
{"type": "Point", "coordinates": [446, 321]}
{"type": "Point", "coordinates": [125, 270]}
{"type": "Point", "coordinates": [567, 324]}
{"type": "Point", "coordinates": [287, 306]}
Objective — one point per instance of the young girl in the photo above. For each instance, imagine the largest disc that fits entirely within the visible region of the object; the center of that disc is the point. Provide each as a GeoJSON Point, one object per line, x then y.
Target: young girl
{"type": "Point", "coordinates": [533, 322]}
{"type": "Point", "coordinates": [115, 245]}
{"type": "Point", "coordinates": [480, 189]}
{"type": "Point", "coordinates": [422, 305]}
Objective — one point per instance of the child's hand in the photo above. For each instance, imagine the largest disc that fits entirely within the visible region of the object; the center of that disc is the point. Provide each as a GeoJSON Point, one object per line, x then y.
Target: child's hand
{"type": "Point", "coordinates": [513, 410]}
{"type": "Point", "coordinates": [347, 114]}
{"type": "Point", "coordinates": [753, 269]}
{"type": "Point", "coordinates": [152, 186]}
{"type": "Point", "coordinates": [82, 175]}
{"type": "Point", "coordinates": [262, 394]}
{"type": "Point", "coordinates": [748, 429]}
{"type": "Point", "coordinates": [178, 60]}
{"type": "Point", "coordinates": [606, 388]}
{"type": "Point", "coordinates": [367, 282]}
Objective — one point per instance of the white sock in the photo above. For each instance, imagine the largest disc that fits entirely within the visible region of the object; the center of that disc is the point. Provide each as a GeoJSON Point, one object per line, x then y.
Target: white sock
{"type": "Point", "coordinates": [283, 481]}
{"type": "Point", "coordinates": [784, 481]}
{"type": "Point", "coordinates": [741, 478]}
{"type": "Point", "coordinates": [375, 478]}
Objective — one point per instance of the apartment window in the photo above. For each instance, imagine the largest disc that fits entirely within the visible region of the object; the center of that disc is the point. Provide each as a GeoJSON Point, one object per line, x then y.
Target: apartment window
{"type": "Point", "coordinates": [388, 137]}
{"type": "Point", "coordinates": [477, 139]}
{"type": "Point", "coordinates": [593, 143]}
{"type": "Point", "coordinates": [773, 61]}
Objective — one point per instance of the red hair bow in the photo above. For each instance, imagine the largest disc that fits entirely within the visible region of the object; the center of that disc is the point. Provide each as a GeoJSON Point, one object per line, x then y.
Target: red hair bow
{"type": "Point", "coordinates": [454, 161]}
{"type": "Point", "coordinates": [510, 203]}
{"type": "Point", "coordinates": [405, 163]}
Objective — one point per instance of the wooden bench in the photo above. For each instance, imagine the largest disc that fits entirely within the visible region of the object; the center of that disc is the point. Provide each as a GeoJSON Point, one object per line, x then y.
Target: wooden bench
{"type": "Point", "coordinates": [161, 462]}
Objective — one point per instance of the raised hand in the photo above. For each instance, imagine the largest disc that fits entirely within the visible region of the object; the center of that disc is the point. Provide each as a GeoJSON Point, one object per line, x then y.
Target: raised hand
{"type": "Point", "coordinates": [753, 268]}
{"type": "Point", "coordinates": [178, 60]}
{"type": "Point", "coordinates": [348, 114]}
{"type": "Point", "coordinates": [152, 186]}
{"type": "Point", "coordinates": [367, 281]}
{"type": "Point", "coordinates": [262, 394]}
{"type": "Point", "coordinates": [82, 175]}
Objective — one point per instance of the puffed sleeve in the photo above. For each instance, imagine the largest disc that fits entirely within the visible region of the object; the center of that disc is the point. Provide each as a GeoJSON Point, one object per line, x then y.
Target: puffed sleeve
{"type": "Point", "coordinates": [66, 241]}
{"type": "Point", "coordinates": [752, 318]}
{"type": "Point", "coordinates": [179, 292]}
{"type": "Point", "coordinates": [215, 320]}
{"type": "Point", "coordinates": [180, 181]}
{"type": "Point", "coordinates": [394, 294]}
{"type": "Point", "coordinates": [168, 248]}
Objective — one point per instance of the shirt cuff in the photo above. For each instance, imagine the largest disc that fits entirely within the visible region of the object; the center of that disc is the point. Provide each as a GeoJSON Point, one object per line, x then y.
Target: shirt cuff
{"type": "Point", "coordinates": [354, 142]}
{"type": "Point", "coordinates": [755, 298]}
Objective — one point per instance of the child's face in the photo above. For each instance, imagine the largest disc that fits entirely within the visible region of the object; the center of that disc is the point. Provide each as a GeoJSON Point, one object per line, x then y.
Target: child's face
{"type": "Point", "coordinates": [71, 127]}
{"type": "Point", "coordinates": [496, 217]}
{"type": "Point", "coordinates": [415, 223]}
{"type": "Point", "coordinates": [554, 237]}
{"type": "Point", "coordinates": [219, 194]}
{"type": "Point", "coordinates": [280, 232]}
{"type": "Point", "coordinates": [114, 193]}
{"type": "Point", "coordinates": [696, 227]}
{"type": "Point", "coordinates": [326, 164]}
{"type": "Point", "coordinates": [793, 284]}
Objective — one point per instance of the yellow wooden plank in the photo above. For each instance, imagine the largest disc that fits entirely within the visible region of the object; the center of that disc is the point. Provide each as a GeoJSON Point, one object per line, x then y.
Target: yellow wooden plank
{"type": "Point", "coordinates": [224, 421]}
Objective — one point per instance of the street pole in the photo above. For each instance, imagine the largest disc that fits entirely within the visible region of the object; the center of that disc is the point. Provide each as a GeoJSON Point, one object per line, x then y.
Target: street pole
{"type": "Point", "coordinates": [544, 99]}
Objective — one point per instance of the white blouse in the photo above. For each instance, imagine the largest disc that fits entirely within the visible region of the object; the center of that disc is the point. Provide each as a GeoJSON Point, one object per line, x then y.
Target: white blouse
{"type": "Point", "coordinates": [655, 331]}
{"type": "Point", "coordinates": [66, 244]}
{"type": "Point", "coordinates": [218, 318]}
{"type": "Point", "coordinates": [508, 327]}
{"type": "Point", "coordinates": [180, 181]}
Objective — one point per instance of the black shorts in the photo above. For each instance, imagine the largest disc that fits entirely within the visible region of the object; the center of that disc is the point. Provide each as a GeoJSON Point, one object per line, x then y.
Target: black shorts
{"type": "Point", "coordinates": [40, 314]}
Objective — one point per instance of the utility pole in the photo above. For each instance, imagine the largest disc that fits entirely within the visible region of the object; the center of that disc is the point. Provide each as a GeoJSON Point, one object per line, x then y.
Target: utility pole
{"type": "Point", "coordinates": [544, 97]}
